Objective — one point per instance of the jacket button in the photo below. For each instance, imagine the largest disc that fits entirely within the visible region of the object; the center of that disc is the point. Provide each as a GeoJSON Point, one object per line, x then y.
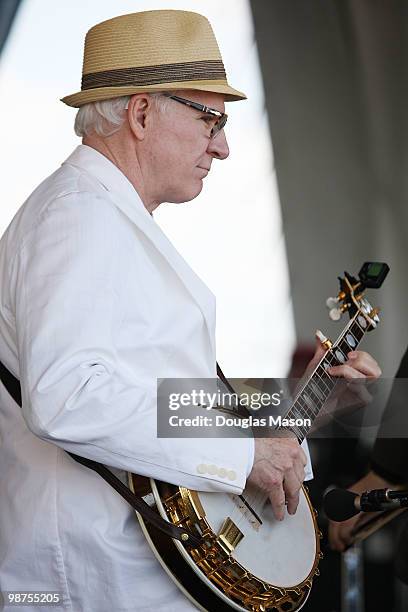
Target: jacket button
{"type": "Point", "coordinates": [232, 475]}
{"type": "Point", "coordinates": [222, 472]}
{"type": "Point", "coordinates": [212, 469]}
{"type": "Point", "coordinates": [202, 468]}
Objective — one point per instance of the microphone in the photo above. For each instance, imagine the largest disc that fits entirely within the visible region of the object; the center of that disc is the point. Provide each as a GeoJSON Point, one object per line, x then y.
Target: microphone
{"type": "Point", "coordinates": [340, 505]}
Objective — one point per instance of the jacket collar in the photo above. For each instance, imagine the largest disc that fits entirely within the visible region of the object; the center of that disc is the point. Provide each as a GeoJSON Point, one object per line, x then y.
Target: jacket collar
{"type": "Point", "coordinates": [126, 198]}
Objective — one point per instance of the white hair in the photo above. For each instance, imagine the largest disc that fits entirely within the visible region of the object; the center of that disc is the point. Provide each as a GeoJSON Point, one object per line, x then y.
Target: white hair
{"type": "Point", "coordinates": [106, 117]}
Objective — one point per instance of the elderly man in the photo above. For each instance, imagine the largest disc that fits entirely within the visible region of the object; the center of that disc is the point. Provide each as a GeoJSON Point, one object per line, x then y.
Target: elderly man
{"type": "Point", "coordinates": [97, 304]}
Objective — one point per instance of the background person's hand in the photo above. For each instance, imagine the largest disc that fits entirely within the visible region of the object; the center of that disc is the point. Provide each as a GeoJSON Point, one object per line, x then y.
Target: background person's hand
{"type": "Point", "coordinates": [340, 532]}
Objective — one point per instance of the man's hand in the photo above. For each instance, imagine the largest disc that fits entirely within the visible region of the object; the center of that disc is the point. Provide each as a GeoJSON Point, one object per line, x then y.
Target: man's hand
{"type": "Point", "coordinates": [279, 470]}
{"type": "Point", "coordinates": [340, 533]}
{"type": "Point", "coordinates": [358, 372]}
{"type": "Point", "coordinates": [359, 364]}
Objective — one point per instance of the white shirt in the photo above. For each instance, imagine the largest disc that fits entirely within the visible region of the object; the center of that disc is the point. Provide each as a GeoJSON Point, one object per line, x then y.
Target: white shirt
{"type": "Point", "coordinates": [96, 304]}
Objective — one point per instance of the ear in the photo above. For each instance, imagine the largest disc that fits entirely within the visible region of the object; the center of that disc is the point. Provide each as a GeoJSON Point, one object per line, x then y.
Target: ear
{"type": "Point", "coordinates": [140, 105]}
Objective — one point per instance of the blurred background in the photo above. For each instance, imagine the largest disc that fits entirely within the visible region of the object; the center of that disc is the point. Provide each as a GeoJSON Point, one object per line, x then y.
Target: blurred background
{"type": "Point", "coordinates": [316, 184]}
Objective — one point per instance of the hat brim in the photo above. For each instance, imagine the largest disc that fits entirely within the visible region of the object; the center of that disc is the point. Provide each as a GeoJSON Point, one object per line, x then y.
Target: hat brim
{"type": "Point", "coordinates": [106, 93]}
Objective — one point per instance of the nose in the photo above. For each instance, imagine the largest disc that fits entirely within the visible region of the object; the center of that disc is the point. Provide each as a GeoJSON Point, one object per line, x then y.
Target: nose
{"type": "Point", "coordinates": [218, 146]}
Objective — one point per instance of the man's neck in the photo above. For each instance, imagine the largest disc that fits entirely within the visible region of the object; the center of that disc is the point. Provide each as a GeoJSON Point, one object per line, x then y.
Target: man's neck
{"type": "Point", "coordinates": [122, 159]}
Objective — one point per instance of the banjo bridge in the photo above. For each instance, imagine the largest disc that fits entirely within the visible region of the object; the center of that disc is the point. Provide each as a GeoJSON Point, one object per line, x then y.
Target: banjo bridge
{"type": "Point", "coordinates": [247, 511]}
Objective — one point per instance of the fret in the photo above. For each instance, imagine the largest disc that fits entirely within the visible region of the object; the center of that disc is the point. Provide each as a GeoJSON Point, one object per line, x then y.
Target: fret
{"type": "Point", "coordinates": [306, 398]}
{"type": "Point", "coordinates": [350, 340]}
{"type": "Point", "coordinates": [324, 376]}
{"type": "Point", "coordinates": [321, 383]}
{"type": "Point", "coordinates": [316, 390]}
{"type": "Point", "coordinates": [317, 402]}
{"type": "Point", "coordinates": [302, 433]}
{"type": "Point", "coordinates": [310, 409]}
{"type": "Point", "coordinates": [321, 389]}
{"type": "Point", "coordinates": [362, 322]}
{"type": "Point", "coordinates": [339, 356]}
{"type": "Point", "coordinates": [325, 364]}
{"type": "Point", "coordinates": [358, 332]}
{"type": "Point", "coordinates": [303, 408]}
{"type": "Point", "coordinates": [305, 431]}
{"type": "Point", "coordinates": [295, 413]}
{"type": "Point", "coordinates": [331, 359]}
{"type": "Point", "coordinates": [311, 406]}
{"type": "Point", "coordinates": [297, 409]}
{"type": "Point", "coordinates": [297, 431]}
{"type": "Point", "coordinates": [344, 347]}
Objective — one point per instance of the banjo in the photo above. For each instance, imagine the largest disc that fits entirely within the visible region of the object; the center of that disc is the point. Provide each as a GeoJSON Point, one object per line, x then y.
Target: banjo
{"type": "Point", "coordinates": [245, 559]}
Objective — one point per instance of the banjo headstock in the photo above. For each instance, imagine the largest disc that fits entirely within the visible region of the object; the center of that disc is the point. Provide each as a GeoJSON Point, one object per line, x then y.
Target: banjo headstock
{"type": "Point", "coordinates": [352, 290]}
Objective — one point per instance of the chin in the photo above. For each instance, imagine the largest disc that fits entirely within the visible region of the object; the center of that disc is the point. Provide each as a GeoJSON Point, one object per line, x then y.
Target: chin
{"type": "Point", "coordinates": [189, 194]}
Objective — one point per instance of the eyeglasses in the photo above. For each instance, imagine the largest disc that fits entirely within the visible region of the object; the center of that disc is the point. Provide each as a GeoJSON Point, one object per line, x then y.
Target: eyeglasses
{"type": "Point", "coordinates": [221, 117]}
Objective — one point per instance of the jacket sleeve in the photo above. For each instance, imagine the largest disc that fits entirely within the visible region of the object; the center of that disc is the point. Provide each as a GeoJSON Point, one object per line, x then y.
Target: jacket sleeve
{"type": "Point", "coordinates": [70, 279]}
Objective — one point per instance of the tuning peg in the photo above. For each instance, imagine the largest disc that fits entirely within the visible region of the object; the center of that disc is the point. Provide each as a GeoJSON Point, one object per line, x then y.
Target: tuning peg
{"type": "Point", "coordinates": [332, 302]}
{"type": "Point", "coordinates": [335, 314]}
{"type": "Point", "coordinates": [373, 314]}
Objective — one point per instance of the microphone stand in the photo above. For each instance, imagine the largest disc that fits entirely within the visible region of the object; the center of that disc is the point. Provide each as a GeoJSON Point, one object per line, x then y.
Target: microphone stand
{"type": "Point", "coordinates": [352, 583]}
{"type": "Point", "coordinates": [375, 504]}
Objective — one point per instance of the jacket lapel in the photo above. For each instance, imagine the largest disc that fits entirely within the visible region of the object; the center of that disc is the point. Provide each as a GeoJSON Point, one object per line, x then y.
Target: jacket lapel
{"type": "Point", "coordinates": [125, 197]}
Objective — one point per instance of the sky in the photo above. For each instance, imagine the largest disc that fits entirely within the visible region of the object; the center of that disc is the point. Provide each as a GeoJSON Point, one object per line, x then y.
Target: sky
{"type": "Point", "coordinates": [231, 234]}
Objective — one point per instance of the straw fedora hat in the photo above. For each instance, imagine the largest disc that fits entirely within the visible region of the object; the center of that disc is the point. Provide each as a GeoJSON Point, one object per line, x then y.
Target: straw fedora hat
{"type": "Point", "coordinates": [151, 51]}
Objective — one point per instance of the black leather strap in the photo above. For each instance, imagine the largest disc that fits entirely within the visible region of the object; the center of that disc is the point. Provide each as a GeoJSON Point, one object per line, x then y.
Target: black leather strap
{"type": "Point", "coordinates": [12, 384]}
{"type": "Point", "coordinates": [240, 409]}
{"type": "Point", "coordinates": [138, 503]}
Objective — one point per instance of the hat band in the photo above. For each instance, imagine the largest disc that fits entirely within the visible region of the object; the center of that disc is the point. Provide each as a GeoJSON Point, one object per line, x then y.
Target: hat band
{"type": "Point", "coordinates": [153, 75]}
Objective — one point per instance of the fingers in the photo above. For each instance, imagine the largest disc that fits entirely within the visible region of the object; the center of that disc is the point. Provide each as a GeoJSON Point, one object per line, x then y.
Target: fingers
{"type": "Point", "coordinates": [364, 363]}
{"type": "Point", "coordinates": [345, 371]}
{"type": "Point", "coordinates": [291, 486]}
{"type": "Point", "coordinates": [285, 493]}
{"type": "Point", "coordinates": [359, 365]}
{"type": "Point", "coordinates": [277, 498]}
{"type": "Point", "coordinates": [279, 470]}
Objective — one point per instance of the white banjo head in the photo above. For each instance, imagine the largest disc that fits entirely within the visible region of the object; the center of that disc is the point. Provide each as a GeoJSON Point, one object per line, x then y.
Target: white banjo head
{"type": "Point", "coordinates": [281, 553]}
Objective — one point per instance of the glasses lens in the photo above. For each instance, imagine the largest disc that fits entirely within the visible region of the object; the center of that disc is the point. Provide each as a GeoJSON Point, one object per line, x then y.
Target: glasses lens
{"type": "Point", "coordinates": [219, 126]}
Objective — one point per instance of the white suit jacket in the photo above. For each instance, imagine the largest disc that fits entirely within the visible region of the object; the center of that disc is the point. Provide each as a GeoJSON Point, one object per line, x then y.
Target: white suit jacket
{"type": "Point", "coordinates": [96, 304]}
